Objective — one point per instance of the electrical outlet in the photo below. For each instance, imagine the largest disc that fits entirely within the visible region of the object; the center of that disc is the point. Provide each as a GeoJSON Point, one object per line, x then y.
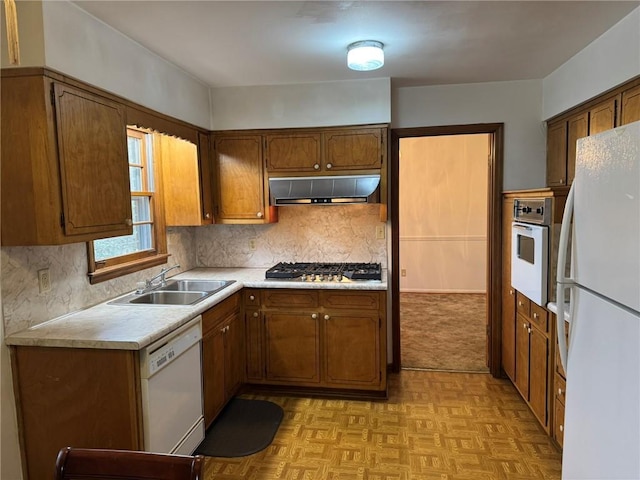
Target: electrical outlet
{"type": "Point", "coordinates": [403, 272]}
{"type": "Point", "coordinates": [44, 280]}
{"type": "Point", "coordinates": [252, 244]}
{"type": "Point", "coordinates": [380, 232]}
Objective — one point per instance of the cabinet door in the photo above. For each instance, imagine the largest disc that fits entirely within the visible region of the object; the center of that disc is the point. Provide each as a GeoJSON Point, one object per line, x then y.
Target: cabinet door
{"type": "Point", "coordinates": [522, 356]}
{"type": "Point", "coordinates": [206, 179]}
{"type": "Point", "coordinates": [294, 152]}
{"type": "Point", "coordinates": [630, 106]}
{"type": "Point", "coordinates": [352, 349]}
{"type": "Point", "coordinates": [353, 149]}
{"type": "Point", "coordinates": [213, 380]}
{"type": "Point", "coordinates": [293, 347]}
{"type": "Point", "coordinates": [558, 422]}
{"type": "Point", "coordinates": [577, 127]}
{"type": "Point", "coordinates": [557, 154]}
{"type": "Point", "coordinates": [234, 355]}
{"type": "Point", "coordinates": [603, 116]}
{"type": "Point", "coordinates": [94, 168]}
{"type": "Point", "coordinates": [240, 178]}
{"type": "Point", "coordinates": [538, 363]}
{"type": "Point", "coordinates": [254, 343]}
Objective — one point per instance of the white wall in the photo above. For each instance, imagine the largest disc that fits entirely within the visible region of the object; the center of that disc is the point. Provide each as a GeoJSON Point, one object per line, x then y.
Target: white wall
{"type": "Point", "coordinates": [84, 47]}
{"type": "Point", "coordinates": [351, 102]}
{"type": "Point", "coordinates": [517, 104]}
{"type": "Point", "coordinates": [443, 213]}
{"type": "Point", "coordinates": [30, 31]}
{"type": "Point", "coordinates": [610, 60]}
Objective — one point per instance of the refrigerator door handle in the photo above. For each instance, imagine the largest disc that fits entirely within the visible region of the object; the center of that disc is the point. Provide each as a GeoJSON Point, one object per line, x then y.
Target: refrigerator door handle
{"type": "Point", "coordinates": [562, 281]}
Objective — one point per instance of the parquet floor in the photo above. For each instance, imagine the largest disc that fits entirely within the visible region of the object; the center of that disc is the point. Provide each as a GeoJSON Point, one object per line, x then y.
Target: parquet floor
{"type": "Point", "coordinates": [435, 425]}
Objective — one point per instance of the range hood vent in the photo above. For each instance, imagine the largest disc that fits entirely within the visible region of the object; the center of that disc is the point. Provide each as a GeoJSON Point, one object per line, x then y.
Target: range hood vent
{"type": "Point", "coordinates": [324, 190]}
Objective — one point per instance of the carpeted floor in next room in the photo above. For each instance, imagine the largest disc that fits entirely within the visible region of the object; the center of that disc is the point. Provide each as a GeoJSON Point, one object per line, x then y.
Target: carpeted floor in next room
{"type": "Point", "coordinates": [435, 425]}
{"type": "Point", "coordinates": [443, 331]}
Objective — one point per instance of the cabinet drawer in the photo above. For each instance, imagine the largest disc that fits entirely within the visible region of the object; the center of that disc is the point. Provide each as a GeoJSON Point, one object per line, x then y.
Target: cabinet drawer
{"type": "Point", "coordinates": [523, 305]}
{"type": "Point", "coordinates": [341, 300]}
{"type": "Point", "coordinates": [561, 388]}
{"type": "Point", "coordinates": [539, 317]}
{"type": "Point", "coordinates": [217, 314]}
{"type": "Point", "coordinates": [251, 297]}
{"type": "Point", "coordinates": [558, 423]}
{"type": "Point", "coordinates": [277, 298]}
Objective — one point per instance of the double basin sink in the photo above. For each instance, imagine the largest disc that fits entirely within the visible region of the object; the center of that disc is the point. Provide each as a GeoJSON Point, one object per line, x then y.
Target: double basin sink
{"type": "Point", "coordinates": [175, 292]}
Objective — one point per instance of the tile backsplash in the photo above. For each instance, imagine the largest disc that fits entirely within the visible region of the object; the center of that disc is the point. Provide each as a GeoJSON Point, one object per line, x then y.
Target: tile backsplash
{"type": "Point", "coordinates": [337, 233]}
{"type": "Point", "coordinates": [304, 233]}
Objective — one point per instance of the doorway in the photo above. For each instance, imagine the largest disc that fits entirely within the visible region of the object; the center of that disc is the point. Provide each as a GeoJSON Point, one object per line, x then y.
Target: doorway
{"type": "Point", "coordinates": [494, 134]}
{"type": "Point", "coordinates": [442, 195]}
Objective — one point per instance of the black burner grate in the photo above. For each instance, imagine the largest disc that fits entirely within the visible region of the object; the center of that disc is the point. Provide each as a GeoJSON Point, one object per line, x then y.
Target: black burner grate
{"type": "Point", "coordinates": [352, 271]}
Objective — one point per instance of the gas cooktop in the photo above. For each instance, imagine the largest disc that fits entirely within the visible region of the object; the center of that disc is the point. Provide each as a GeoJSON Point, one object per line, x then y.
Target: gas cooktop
{"type": "Point", "coordinates": [325, 272]}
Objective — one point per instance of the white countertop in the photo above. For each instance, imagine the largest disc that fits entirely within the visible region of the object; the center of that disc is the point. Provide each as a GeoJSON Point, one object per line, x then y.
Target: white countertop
{"type": "Point", "coordinates": [132, 327]}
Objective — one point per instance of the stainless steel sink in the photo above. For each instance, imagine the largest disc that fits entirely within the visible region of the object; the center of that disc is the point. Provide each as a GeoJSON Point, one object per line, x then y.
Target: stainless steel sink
{"type": "Point", "coordinates": [169, 298]}
{"type": "Point", "coordinates": [175, 292]}
{"type": "Point", "coordinates": [195, 285]}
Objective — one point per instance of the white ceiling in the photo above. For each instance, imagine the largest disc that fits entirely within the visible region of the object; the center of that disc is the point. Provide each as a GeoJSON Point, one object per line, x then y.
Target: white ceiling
{"type": "Point", "coordinates": [239, 43]}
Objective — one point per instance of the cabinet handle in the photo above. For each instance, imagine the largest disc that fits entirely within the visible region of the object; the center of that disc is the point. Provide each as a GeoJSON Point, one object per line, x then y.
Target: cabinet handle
{"type": "Point", "coordinates": [316, 166]}
{"type": "Point", "coordinates": [207, 215]}
{"type": "Point", "coordinates": [327, 317]}
{"type": "Point", "coordinates": [252, 297]}
{"type": "Point", "coordinates": [524, 325]}
{"type": "Point", "coordinates": [561, 183]}
{"type": "Point", "coordinates": [511, 291]}
{"type": "Point", "coordinates": [529, 330]}
{"type": "Point", "coordinates": [329, 166]}
{"type": "Point", "coordinates": [314, 315]}
{"type": "Point", "coordinates": [519, 303]}
{"type": "Point", "coordinates": [128, 222]}
{"type": "Point", "coordinates": [562, 428]}
{"type": "Point", "coordinates": [259, 214]}
{"type": "Point", "coordinates": [535, 315]}
{"type": "Point", "coordinates": [560, 392]}
{"type": "Point", "coordinates": [255, 314]}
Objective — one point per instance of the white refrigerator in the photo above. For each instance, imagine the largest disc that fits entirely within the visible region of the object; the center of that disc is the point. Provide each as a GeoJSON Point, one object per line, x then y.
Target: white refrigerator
{"type": "Point", "coordinates": [602, 409]}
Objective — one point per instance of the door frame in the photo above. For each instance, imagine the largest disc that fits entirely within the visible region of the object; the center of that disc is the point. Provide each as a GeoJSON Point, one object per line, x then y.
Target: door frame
{"type": "Point", "coordinates": [494, 233]}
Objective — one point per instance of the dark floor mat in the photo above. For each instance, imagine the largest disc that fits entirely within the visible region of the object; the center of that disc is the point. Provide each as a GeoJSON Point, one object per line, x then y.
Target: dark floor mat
{"type": "Point", "coordinates": [244, 427]}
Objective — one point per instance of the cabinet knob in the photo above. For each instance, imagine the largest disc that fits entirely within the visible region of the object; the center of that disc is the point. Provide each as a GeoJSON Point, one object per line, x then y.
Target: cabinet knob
{"type": "Point", "coordinates": [255, 314]}
{"type": "Point", "coordinates": [528, 329]}
{"type": "Point", "coordinates": [207, 215]}
{"type": "Point", "coordinates": [524, 325]}
{"type": "Point", "coordinates": [535, 315]}
{"type": "Point", "coordinates": [316, 166]}
{"type": "Point", "coordinates": [314, 315]}
{"type": "Point", "coordinates": [561, 181]}
{"type": "Point", "coordinates": [560, 391]}
{"type": "Point", "coordinates": [327, 317]}
{"type": "Point", "coordinates": [252, 297]}
{"type": "Point", "coordinates": [511, 291]}
{"type": "Point", "coordinates": [128, 222]}
{"type": "Point", "coordinates": [562, 428]}
{"type": "Point", "coordinates": [519, 303]}
{"type": "Point", "coordinates": [223, 329]}
{"type": "Point", "coordinates": [329, 166]}
{"type": "Point", "coordinates": [259, 214]}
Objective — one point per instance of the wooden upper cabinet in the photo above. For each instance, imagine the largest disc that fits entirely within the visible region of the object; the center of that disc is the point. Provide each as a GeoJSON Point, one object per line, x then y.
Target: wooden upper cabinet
{"type": "Point", "coordinates": [354, 149]}
{"type": "Point", "coordinates": [557, 154]}
{"type": "Point", "coordinates": [241, 190]}
{"type": "Point", "coordinates": [603, 116]}
{"type": "Point", "coordinates": [577, 127]}
{"type": "Point", "coordinates": [630, 106]}
{"type": "Point", "coordinates": [293, 152]}
{"type": "Point", "coordinates": [65, 174]}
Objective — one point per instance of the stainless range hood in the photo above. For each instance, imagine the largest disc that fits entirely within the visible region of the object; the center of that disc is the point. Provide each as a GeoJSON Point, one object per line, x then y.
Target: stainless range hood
{"type": "Point", "coordinates": [325, 190]}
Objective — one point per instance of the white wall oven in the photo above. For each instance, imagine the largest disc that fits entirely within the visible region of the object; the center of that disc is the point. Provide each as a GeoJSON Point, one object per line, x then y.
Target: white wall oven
{"type": "Point", "coordinates": [530, 248]}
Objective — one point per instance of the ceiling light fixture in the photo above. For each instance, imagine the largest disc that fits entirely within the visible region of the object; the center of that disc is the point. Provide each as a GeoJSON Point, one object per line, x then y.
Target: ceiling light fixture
{"type": "Point", "coordinates": [365, 55]}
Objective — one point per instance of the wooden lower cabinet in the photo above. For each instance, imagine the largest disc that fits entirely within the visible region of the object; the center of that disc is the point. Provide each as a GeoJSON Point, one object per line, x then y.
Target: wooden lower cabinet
{"type": "Point", "coordinates": [223, 357]}
{"type": "Point", "coordinates": [316, 338]}
{"type": "Point", "coordinates": [73, 396]}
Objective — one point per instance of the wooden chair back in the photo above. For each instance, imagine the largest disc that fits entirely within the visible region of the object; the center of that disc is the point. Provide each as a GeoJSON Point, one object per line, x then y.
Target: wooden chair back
{"type": "Point", "coordinates": [104, 464]}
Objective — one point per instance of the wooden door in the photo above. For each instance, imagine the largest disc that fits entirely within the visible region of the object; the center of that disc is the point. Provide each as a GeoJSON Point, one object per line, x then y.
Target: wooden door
{"type": "Point", "coordinates": [240, 178]}
{"type": "Point", "coordinates": [522, 356]}
{"type": "Point", "coordinates": [577, 127]}
{"type": "Point", "coordinates": [630, 106]}
{"type": "Point", "coordinates": [557, 154]}
{"type": "Point", "coordinates": [508, 295]}
{"type": "Point", "coordinates": [538, 370]}
{"type": "Point", "coordinates": [603, 116]}
{"type": "Point", "coordinates": [94, 168]}
{"type": "Point", "coordinates": [355, 149]}
{"type": "Point", "coordinates": [213, 378]}
{"type": "Point", "coordinates": [293, 152]}
{"type": "Point", "coordinates": [254, 343]}
{"type": "Point", "coordinates": [293, 347]}
{"type": "Point", "coordinates": [234, 354]}
{"type": "Point", "coordinates": [352, 349]}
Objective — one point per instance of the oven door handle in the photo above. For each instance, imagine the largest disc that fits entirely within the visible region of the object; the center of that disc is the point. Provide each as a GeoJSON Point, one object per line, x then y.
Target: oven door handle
{"type": "Point", "coordinates": [522, 227]}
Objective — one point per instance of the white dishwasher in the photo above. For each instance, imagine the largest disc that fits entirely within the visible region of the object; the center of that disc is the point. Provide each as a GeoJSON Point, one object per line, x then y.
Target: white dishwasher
{"type": "Point", "coordinates": [171, 378]}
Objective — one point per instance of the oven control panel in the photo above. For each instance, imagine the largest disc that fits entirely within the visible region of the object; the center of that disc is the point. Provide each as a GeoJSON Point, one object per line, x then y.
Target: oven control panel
{"type": "Point", "coordinates": [532, 210]}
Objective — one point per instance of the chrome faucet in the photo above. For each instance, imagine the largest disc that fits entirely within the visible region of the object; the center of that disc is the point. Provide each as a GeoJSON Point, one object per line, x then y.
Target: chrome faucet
{"type": "Point", "coordinates": [149, 283]}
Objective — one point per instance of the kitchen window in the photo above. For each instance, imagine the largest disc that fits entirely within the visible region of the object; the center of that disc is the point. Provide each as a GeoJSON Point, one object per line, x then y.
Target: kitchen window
{"type": "Point", "coordinates": [146, 246]}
